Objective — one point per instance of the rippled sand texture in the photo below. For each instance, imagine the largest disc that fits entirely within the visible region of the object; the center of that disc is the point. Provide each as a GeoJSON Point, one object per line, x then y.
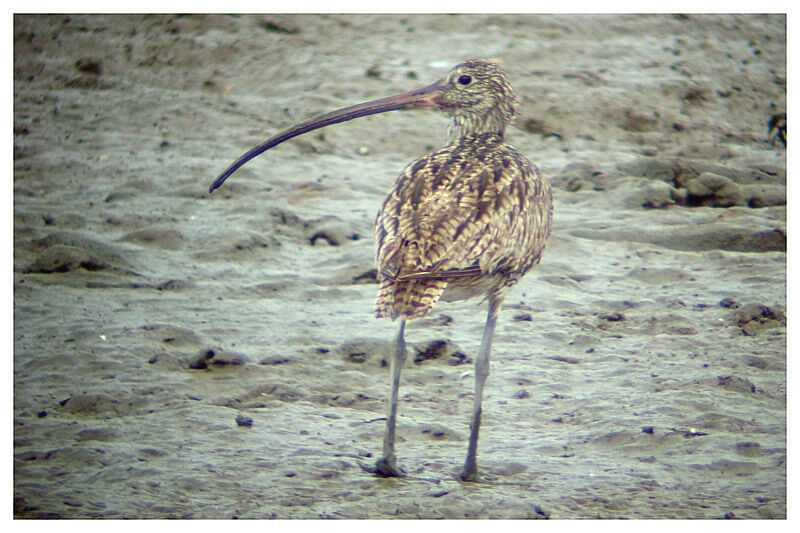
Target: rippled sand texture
{"type": "Point", "coordinates": [180, 354]}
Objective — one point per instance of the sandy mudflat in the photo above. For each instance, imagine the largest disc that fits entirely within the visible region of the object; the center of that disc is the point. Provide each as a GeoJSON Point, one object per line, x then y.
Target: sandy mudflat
{"type": "Point", "coordinates": [180, 354]}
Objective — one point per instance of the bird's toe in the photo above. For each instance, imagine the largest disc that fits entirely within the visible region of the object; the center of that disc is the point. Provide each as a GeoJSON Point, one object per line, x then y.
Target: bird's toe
{"type": "Point", "coordinates": [384, 468]}
{"type": "Point", "coordinates": [469, 475]}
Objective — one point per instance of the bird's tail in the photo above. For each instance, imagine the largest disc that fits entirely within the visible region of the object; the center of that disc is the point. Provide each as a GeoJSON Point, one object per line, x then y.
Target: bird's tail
{"type": "Point", "coordinates": [407, 299]}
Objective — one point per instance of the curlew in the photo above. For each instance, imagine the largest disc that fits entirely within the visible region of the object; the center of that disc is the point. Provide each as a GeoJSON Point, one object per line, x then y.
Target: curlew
{"type": "Point", "coordinates": [468, 220]}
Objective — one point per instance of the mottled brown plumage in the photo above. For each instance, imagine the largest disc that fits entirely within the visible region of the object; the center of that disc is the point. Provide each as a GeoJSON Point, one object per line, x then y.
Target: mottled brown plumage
{"type": "Point", "coordinates": [468, 220]}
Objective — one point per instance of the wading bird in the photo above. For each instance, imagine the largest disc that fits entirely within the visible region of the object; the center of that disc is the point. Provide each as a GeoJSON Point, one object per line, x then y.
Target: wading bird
{"type": "Point", "coordinates": [467, 220]}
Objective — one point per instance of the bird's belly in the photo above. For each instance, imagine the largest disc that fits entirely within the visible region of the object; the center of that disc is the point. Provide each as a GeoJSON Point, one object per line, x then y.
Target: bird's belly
{"type": "Point", "coordinates": [464, 289]}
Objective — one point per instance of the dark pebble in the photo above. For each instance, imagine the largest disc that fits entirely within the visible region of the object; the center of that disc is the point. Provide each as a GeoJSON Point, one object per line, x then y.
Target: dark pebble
{"type": "Point", "coordinates": [90, 65]}
{"type": "Point", "coordinates": [616, 316]}
{"type": "Point", "coordinates": [173, 285]}
{"type": "Point", "coordinates": [215, 357]}
{"type": "Point", "coordinates": [331, 230]}
{"type": "Point", "coordinates": [440, 349]}
{"type": "Point", "coordinates": [736, 384]}
{"type": "Point", "coordinates": [759, 312]}
{"type": "Point", "coordinates": [755, 318]}
{"type": "Point", "coordinates": [275, 360]}
{"type": "Point", "coordinates": [757, 362]}
{"type": "Point", "coordinates": [363, 349]}
{"type": "Point", "coordinates": [278, 26]}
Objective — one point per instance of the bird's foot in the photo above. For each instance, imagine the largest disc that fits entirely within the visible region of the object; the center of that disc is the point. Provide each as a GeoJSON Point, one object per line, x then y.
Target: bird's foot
{"type": "Point", "coordinates": [469, 474]}
{"type": "Point", "coordinates": [384, 467]}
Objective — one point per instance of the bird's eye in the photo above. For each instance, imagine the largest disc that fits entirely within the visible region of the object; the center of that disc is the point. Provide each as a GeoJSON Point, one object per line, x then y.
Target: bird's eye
{"type": "Point", "coordinates": [465, 79]}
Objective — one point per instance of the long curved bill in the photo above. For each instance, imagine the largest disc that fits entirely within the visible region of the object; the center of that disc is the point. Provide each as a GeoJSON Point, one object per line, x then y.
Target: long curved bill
{"type": "Point", "coordinates": [425, 97]}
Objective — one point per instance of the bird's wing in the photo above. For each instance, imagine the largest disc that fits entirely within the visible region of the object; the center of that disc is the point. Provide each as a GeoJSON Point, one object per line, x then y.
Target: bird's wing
{"type": "Point", "coordinates": [463, 213]}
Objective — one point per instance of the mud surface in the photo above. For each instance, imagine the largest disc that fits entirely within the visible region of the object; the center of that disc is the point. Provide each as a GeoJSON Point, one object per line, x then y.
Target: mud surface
{"type": "Point", "coordinates": [180, 354]}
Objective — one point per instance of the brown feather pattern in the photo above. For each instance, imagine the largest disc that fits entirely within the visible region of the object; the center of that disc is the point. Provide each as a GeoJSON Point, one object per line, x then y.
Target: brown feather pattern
{"type": "Point", "coordinates": [470, 219]}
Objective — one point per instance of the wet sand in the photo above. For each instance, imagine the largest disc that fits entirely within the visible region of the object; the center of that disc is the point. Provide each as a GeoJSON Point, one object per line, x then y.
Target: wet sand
{"type": "Point", "coordinates": [179, 354]}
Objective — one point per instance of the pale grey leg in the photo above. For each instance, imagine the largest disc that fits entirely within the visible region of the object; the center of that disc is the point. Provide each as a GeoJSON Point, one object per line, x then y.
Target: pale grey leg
{"type": "Point", "coordinates": [470, 471]}
{"type": "Point", "coordinates": [386, 465]}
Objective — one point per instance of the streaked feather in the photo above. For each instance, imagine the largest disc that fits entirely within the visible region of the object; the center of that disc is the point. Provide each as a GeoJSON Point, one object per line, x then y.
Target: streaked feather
{"type": "Point", "coordinates": [472, 211]}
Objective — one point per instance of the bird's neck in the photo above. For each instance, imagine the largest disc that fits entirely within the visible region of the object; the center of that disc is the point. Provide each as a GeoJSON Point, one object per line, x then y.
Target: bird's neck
{"type": "Point", "coordinates": [470, 125]}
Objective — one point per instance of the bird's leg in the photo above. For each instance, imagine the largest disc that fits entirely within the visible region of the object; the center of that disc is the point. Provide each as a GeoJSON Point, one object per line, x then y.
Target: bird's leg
{"type": "Point", "coordinates": [386, 466]}
{"type": "Point", "coordinates": [470, 470]}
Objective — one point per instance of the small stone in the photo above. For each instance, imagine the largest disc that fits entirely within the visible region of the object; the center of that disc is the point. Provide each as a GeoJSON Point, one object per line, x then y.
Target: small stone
{"type": "Point", "coordinates": [244, 421]}
{"type": "Point", "coordinates": [440, 349]}
{"type": "Point", "coordinates": [736, 384]}
{"type": "Point", "coordinates": [60, 258]}
{"type": "Point", "coordinates": [97, 434]}
{"type": "Point", "coordinates": [658, 194]}
{"type": "Point", "coordinates": [361, 350]}
{"type": "Point", "coordinates": [754, 361]}
{"type": "Point", "coordinates": [616, 316]}
{"type": "Point", "coordinates": [278, 25]}
{"type": "Point", "coordinates": [764, 195]}
{"type": "Point", "coordinates": [714, 190]}
{"type": "Point", "coordinates": [216, 357]}
{"type": "Point", "coordinates": [754, 318]}
{"type": "Point", "coordinates": [332, 231]}
{"type": "Point", "coordinates": [749, 449]}
{"type": "Point", "coordinates": [174, 285]}
{"type": "Point", "coordinates": [271, 360]}
{"type": "Point", "coordinates": [90, 65]}
{"type": "Point", "coordinates": [533, 125]}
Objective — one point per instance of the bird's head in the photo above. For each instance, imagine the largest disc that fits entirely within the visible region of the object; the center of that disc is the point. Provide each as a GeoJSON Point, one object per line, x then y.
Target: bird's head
{"type": "Point", "coordinates": [478, 96]}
